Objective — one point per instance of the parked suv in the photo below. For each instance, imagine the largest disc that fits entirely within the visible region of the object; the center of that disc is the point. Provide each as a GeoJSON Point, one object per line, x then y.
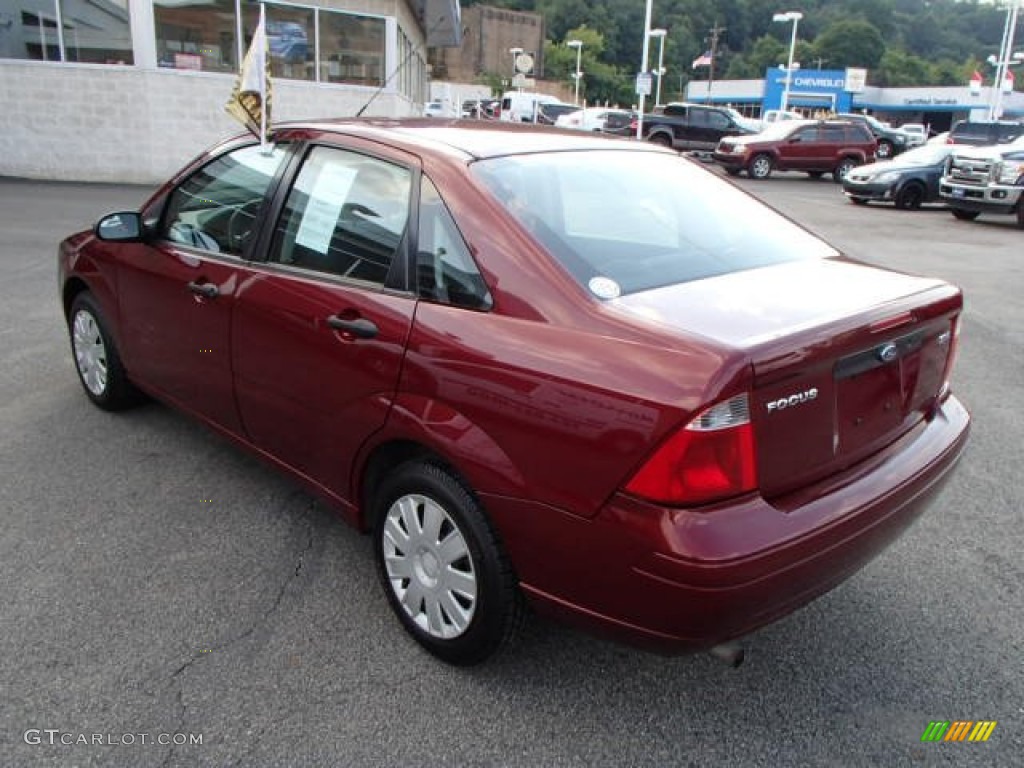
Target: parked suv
{"type": "Point", "coordinates": [891, 141]}
{"type": "Point", "coordinates": [984, 133]}
{"type": "Point", "coordinates": [817, 147]}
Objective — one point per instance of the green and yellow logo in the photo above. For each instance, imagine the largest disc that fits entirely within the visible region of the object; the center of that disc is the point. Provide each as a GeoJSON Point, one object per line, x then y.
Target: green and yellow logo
{"type": "Point", "coordinates": [958, 730]}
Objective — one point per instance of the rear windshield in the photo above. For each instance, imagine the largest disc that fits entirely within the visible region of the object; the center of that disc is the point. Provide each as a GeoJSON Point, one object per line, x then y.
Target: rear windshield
{"type": "Point", "coordinates": [623, 222]}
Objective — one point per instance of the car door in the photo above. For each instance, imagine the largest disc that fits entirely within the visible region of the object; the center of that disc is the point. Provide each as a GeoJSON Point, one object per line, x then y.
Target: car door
{"type": "Point", "coordinates": [320, 328]}
{"type": "Point", "coordinates": [177, 291]}
{"type": "Point", "coordinates": [798, 151]}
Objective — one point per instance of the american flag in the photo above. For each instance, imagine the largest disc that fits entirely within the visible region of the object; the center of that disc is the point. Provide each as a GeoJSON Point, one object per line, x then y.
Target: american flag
{"type": "Point", "coordinates": [704, 60]}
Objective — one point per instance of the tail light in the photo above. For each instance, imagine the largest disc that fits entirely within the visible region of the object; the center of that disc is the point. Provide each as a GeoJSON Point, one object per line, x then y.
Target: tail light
{"type": "Point", "coordinates": [951, 355]}
{"type": "Point", "coordinates": [711, 458]}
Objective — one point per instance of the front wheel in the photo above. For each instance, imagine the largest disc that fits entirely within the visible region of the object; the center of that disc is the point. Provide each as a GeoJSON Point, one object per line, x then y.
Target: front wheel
{"type": "Point", "coordinates": [760, 167]}
{"type": "Point", "coordinates": [963, 215]}
{"type": "Point", "coordinates": [442, 566]}
{"type": "Point", "coordinates": [885, 150]}
{"type": "Point", "coordinates": [910, 197]}
{"type": "Point", "coordinates": [661, 140]}
{"type": "Point", "coordinates": [96, 357]}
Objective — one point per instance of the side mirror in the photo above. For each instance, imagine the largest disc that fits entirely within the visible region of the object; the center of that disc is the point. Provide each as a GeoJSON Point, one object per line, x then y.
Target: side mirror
{"type": "Point", "coordinates": [123, 227]}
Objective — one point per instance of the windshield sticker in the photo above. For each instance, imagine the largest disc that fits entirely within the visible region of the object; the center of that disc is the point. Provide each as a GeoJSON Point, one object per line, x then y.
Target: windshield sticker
{"type": "Point", "coordinates": [604, 288]}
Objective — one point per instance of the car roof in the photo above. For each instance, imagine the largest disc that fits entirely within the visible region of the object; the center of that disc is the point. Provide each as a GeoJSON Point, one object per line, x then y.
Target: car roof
{"type": "Point", "coordinates": [471, 139]}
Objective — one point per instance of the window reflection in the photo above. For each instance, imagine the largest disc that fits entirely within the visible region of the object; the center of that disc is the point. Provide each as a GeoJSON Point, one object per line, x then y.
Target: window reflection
{"type": "Point", "coordinates": [195, 34]}
{"type": "Point", "coordinates": [351, 49]}
{"type": "Point", "coordinates": [96, 31]}
{"type": "Point", "coordinates": [291, 35]}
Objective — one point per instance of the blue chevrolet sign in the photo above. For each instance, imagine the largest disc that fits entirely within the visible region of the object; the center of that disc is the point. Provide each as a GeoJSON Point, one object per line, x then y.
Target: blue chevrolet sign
{"type": "Point", "coordinates": [810, 89]}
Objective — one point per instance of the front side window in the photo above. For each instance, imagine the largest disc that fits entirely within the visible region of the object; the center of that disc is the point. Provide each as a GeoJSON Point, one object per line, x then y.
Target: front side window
{"type": "Point", "coordinates": [216, 208]}
{"type": "Point", "coordinates": [346, 215]}
{"type": "Point", "coordinates": [639, 219]}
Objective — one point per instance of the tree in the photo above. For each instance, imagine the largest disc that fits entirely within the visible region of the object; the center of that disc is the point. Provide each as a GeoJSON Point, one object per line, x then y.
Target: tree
{"type": "Point", "coordinates": [851, 43]}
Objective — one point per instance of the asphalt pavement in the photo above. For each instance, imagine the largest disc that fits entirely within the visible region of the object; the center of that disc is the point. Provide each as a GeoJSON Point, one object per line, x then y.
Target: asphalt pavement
{"type": "Point", "coordinates": [158, 585]}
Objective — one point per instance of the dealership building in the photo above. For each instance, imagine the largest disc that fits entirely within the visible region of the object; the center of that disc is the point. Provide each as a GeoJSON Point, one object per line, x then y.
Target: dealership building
{"type": "Point", "coordinates": [128, 90]}
{"type": "Point", "coordinates": [831, 90]}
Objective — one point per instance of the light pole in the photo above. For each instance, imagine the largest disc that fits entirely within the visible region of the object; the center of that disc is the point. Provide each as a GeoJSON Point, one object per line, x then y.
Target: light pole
{"type": "Point", "coordinates": [1004, 62]}
{"type": "Point", "coordinates": [660, 34]}
{"type": "Point", "coordinates": [643, 68]}
{"type": "Point", "coordinates": [516, 53]}
{"type": "Point", "coordinates": [578, 45]}
{"type": "Point", "coordinates": [795, 17]}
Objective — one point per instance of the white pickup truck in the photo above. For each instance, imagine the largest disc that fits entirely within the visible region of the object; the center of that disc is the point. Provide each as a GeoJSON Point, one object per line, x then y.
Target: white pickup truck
{"type": "Point", "coordinates": [985, 180]}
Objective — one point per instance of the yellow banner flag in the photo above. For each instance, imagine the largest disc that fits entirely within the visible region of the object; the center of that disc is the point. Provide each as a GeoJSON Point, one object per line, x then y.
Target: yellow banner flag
{"type": "Point", "coordinates": [250, 99]}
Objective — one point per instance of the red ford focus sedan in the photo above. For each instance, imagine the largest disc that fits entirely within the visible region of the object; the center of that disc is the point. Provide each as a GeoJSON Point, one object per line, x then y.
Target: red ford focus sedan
{"type": "Point", "coordinates": [562, 370]}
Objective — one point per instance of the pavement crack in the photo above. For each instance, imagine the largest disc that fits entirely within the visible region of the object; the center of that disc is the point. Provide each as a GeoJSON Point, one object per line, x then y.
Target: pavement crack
{"type": "Point", "coordinates": [177, 677]}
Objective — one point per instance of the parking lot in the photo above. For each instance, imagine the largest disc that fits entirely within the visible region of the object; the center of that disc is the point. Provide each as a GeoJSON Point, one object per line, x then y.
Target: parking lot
{"type": "Point", "coordinates": [159, 583]}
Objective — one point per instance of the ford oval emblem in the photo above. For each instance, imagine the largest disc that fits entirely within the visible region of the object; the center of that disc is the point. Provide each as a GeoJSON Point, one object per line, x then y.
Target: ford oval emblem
{"type": "Point", "coordinates": [888, 352]}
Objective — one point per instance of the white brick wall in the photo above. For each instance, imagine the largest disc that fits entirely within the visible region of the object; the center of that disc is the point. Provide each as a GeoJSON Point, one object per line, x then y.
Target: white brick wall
{"type": "Point", "coordinates": [82, 122]}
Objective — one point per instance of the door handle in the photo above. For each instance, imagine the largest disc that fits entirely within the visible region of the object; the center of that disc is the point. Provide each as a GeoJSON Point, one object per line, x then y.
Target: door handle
{"type": "Point", "coordinates": [206, 290]}
{"type": "Point", "coordinates": [359, 327]}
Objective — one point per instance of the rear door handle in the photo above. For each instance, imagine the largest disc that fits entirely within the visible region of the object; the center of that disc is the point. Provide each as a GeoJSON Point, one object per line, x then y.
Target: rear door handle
{"type": "Point", "coordinates": [207, 290]}
{"type": "Point", "coordinates": [359, 327]}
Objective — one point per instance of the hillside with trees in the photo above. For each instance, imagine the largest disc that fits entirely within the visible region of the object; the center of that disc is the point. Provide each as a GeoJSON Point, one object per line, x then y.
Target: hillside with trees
{"type": "Point", "coordinates": [900, 42]}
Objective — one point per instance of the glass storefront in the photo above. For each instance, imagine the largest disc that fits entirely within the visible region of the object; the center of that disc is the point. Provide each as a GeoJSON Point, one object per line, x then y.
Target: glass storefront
{"type": "Point", "coordinates": [95, 31]}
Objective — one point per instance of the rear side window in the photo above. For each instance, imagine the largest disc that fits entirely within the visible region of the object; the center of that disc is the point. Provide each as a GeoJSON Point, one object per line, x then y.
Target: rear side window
{"type": "Point", "coordinates": [624, 221]}
{"type": "Point", "coordinates": [346, 215]}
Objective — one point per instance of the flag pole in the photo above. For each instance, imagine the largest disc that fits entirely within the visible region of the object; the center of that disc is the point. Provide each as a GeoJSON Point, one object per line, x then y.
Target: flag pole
{"type": "Point", "coordinates": [263, 82]}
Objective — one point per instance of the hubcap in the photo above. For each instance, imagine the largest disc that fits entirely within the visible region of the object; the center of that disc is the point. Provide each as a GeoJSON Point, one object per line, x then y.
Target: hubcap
{"type": "Point", "coordinates": [429, 566]}
{"type": "Point", "coordinates": [90, 352]}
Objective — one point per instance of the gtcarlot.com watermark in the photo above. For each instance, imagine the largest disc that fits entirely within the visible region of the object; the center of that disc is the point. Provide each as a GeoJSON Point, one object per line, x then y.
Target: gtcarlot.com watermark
{"type": "Point", "coordinates": [57, 737]}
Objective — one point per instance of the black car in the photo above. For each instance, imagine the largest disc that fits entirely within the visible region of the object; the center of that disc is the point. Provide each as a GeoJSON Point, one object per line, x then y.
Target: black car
{"type": "Point", "coordinates": [620, 123]}
{"type": "Point", "coordinates": [547, 114]}
{"type": "Point", "coordinates": [908, 181]}
{"type": "Point", "coordinates": [891, 141]}
{"type": "Point", "coordinates": [984, 133]}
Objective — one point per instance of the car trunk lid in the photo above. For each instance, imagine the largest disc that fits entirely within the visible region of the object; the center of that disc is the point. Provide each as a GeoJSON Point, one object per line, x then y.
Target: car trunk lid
{"type": "Point", "coordinates": [846, 358]}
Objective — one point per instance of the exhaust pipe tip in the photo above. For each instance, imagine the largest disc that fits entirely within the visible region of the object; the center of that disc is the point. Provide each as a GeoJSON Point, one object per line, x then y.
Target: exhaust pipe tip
{"type": "Point", "coordinates": [731, 654]}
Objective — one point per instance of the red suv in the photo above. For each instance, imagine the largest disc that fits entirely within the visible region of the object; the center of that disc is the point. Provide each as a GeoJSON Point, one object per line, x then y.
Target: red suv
{"type": "Point", "coordinates": [817, 147]}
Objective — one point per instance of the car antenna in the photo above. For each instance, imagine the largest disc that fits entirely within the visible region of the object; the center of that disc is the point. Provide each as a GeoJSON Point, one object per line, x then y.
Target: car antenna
{"type": "Point", "coordinates": [399, 68]}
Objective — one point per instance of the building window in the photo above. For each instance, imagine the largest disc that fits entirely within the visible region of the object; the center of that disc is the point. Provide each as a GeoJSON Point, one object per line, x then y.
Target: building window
{"type": "Point", "coordinates": [351, 49]}
{"type": "Point", "coordinates": [95, 31]}
{"type": "Point", "coordinates": [291, 34]}
{"type": "Point", "coordinates": [195, 34]}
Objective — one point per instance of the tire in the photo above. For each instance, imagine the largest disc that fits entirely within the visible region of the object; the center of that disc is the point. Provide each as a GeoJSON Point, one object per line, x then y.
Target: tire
{"type": "Point", "coordinates": [733, 171]}
{"type": "Point", "coordinates": [846, 165]}
{"type": "Point", "coordinates": [815, 174]}
{"type": "Point", "coordinates": [96, 357]}
{"type": "Point", "coordinates": [760, 167]}
{"type": "Point", "coordinates": [885, 150]}
{"type": "Point", "coordinates": [962, 215]}
{"type": "Point", "coordinates": [661, 140]}
{"type": "Point", "coordinates": [910, 196]}
{"type": "Point", "coordinates": [442, 566]}
{"type": "Point", "coordinates": [859, 200]}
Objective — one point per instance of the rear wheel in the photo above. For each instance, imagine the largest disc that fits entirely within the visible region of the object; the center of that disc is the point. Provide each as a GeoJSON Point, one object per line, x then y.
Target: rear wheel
{"type": "Point", "coordinates": [815, 174]}
{"type": "Point", "coordinates": [962, 215]}
{"type": "Point", "coordinates": [96, 357]}
{"type": "Point", "coordinates": [733, 171]}
{"type": "Point", "coordinates": [661, 140]}
{"type": "Point", "coordinates": [760, 167]}
{"type": "Point", "coordinates": [859, 200]}
{"type": "Point", "coordinates": [846, 165]}
{"type": "Point", "coordinates": [445, 573]}
{"type": "Point", "coordinates": [910, 196]}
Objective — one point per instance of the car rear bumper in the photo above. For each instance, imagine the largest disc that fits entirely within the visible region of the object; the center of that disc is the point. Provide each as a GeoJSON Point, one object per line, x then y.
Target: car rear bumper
{"type": "Point", "coordinates": [682, 580]}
